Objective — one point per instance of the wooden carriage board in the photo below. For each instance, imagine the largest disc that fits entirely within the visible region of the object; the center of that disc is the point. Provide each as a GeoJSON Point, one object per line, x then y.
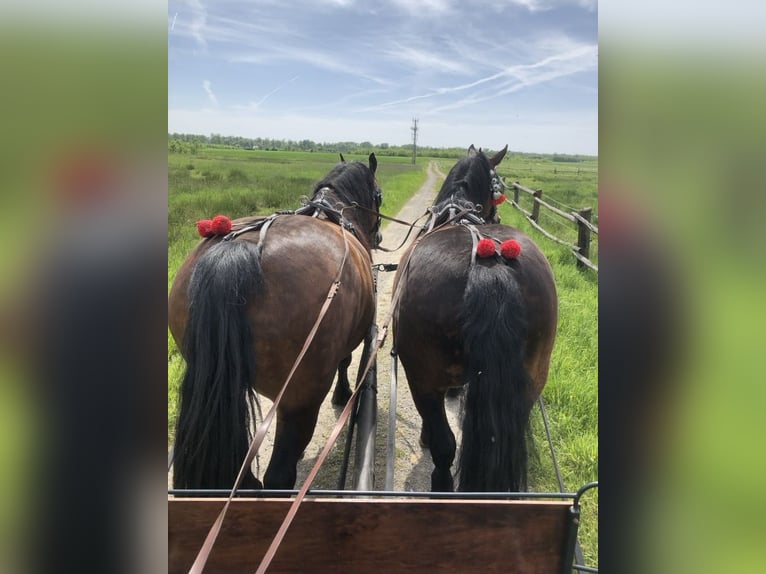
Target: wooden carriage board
{"type": "Point", "coordinates": [373, 535]}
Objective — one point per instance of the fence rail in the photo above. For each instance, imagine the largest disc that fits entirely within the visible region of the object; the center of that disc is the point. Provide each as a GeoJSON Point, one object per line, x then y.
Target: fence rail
{"type": "Point", "coordinates": [581, 220]}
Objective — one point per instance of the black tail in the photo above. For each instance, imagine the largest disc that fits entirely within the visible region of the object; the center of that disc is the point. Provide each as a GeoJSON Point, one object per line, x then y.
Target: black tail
{"type": "Point", "coordinates": [213, 430]}
{"type": "Point", "coordinates": [493, 456]}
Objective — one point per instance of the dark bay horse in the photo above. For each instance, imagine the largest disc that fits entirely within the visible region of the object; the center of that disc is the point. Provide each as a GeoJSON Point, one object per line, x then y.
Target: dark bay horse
{"type": "Point", "coordinates": [487, 320]}
{"type": "Point", "coordinates": [241, 309]}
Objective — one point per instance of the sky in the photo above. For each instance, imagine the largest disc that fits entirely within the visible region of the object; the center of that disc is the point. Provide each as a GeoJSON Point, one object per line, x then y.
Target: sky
{"type": "Point", "coordinates": [484, 72]}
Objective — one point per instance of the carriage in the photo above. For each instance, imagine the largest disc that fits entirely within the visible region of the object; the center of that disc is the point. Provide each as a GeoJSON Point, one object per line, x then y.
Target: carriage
{"type": "Point", "coordinates": [504, 332]}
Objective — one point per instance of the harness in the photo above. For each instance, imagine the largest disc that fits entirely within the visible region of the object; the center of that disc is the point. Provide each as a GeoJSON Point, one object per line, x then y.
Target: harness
{"type": "Point", "coordinates": [455, 212]}
{"type": "Point", "coordinates": [311, 207]}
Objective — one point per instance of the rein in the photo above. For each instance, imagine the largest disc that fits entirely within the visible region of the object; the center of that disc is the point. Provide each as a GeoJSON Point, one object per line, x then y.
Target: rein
{"type": "Point", "coordinates": [395, 220]}
{"type": "Point", "coordinates": [204, 553]}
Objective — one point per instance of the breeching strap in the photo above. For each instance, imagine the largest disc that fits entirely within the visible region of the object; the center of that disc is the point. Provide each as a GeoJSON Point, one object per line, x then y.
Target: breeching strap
{"type": "Point", "coordinates": [207, 547]}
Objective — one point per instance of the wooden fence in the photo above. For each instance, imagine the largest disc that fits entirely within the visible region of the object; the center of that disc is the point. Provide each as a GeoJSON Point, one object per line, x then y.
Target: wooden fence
{"type": "Point", "coordinates": [580, 219]}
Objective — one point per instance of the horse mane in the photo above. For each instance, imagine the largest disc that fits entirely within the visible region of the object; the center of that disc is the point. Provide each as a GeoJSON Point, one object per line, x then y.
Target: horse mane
{"type": "Point", "coordinates": [352, 182]}
{"type": "Point", "coordinates": [468, 180]}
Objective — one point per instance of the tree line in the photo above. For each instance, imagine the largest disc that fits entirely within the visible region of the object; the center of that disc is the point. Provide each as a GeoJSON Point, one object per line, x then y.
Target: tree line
{"type": "Point", "coordinates": [191, 143]}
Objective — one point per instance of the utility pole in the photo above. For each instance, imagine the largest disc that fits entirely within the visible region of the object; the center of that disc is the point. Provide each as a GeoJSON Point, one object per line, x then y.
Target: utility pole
{"type": "Point", "coordinates": [414, 129]}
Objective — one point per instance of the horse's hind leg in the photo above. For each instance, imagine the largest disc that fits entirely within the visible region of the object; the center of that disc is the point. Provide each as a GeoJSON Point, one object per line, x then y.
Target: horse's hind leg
{"type": "Point", "coordinates": [438, 436]}
{"type": "Point", "coordinates": [342, 388]}
{"type": "Point", "coordinates": [294, 432]}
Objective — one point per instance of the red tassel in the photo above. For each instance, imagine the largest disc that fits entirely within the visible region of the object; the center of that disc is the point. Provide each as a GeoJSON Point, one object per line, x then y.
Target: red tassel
{"type": "Point", "coordinates": [221, 225]}
{"type": "Point", "coordinates": [499, 200]}
{"type": "Point", "coordinates": [205, 228]}
{"type": "Point", "coordinates": [510, 249]}
{"type": "Point", "coordinates": [485, 248]}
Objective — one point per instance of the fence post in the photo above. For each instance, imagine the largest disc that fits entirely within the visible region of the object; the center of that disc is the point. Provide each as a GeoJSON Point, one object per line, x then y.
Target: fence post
{"type": "Point", "coordinates": [516, 192]}
{"type": "Point", "coordinates": [583, 234]}
{"type": "Point", "coordinates": [536, 206]}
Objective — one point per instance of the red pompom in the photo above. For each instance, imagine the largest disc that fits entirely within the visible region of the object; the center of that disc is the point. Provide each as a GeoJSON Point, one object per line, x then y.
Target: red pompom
{"type": "Point", "coordinates": [485, 248]}
{"type": "Point", "coordinates": [510, 249]}
{"type": "Point", "coordinates": [205, 227]}
{"type": "Point", "coordinates": [499, 200]}
{"type": "Point", "coordinates": [221, 225]}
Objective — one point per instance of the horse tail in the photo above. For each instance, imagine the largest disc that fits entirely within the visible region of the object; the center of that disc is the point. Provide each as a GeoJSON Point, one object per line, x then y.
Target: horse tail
{"type": "Point", "coordinates": [493, 456]}
{"type": "Point", "coordinates": [213, 431]}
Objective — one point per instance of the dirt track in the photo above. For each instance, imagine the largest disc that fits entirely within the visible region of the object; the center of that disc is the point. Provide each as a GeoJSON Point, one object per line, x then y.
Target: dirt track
{"type": "Point", "coordinates": [413, 463]}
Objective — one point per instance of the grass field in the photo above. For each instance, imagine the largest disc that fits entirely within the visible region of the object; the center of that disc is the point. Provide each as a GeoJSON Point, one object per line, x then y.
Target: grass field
{"type": "Point", "coordinates": [241, 182]}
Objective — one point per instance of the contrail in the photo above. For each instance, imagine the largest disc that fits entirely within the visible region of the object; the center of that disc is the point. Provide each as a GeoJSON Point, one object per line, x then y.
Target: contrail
{"type": "Point", "coordinates": [275, 90]}
{"type": "Point", "coordinates": [173, 25]}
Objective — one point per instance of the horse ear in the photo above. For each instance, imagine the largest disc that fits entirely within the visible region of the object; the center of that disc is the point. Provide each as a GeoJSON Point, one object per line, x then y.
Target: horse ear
{"type": "Point", "coordinates": [498, 157]}
{"type": "Point", "coordinates": [472, 151]}
{"type": "Point", "coordinates": [373, 163]}
{"type": "Point", "coordinates": [342, 159]}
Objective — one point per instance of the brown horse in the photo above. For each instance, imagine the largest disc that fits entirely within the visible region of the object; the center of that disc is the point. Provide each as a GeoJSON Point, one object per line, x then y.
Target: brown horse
{"type": "Point", "coordinates": [241, 309]}
{"type": "Point", "coordinates": [488, 321]}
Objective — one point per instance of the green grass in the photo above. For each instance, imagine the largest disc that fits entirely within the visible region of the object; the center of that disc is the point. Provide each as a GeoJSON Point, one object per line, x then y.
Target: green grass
{"type": "Point", "coordinates": [571, 394]}
{"type": "Point", "coordinates": [241, 182]}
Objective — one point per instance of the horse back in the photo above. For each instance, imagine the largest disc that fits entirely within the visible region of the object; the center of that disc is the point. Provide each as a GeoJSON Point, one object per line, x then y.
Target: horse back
{"type": "Point", "coordinates": [428, 320]}
{"type": "Point", "coordinates": [300, 259]}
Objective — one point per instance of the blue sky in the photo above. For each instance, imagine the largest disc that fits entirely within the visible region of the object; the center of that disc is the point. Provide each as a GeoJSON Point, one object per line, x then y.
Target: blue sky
{"type": "Point", "coordinates": [516, 72]}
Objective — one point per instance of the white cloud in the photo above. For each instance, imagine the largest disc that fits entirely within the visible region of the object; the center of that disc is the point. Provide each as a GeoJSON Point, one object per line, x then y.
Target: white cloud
{"type": "Point", "coordinates": [510, 79]}
{"type": "Point", "coordinates": [341, 3]}
{"type": "Point", "coordinates": [426, 60]}
{"type": "Point", "coordinates": [546, 5]}
{"type": "Point", "coordinates": [318, 59]}
{"type": "Point", "coordinates": [209, 91]}
{"type": "Point", "coordinates": [532, 5]}
{"type": "Point", "coordinates": [198, 21]}
{"type": "Point", "coordinates": [424, 8]}
{"type": "Point", "coordinates": [257, 104]}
